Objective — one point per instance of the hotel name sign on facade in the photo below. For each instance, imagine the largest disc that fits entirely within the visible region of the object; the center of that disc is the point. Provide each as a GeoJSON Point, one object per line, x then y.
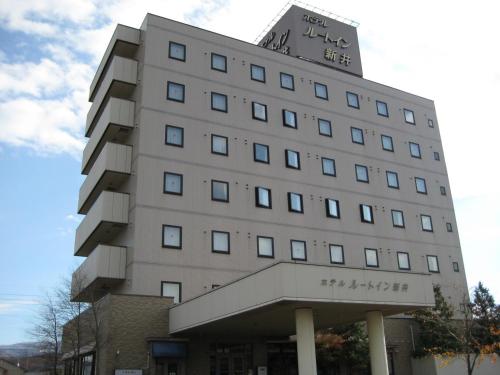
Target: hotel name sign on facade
{"type": "Point", "coordinates": [314, 37]}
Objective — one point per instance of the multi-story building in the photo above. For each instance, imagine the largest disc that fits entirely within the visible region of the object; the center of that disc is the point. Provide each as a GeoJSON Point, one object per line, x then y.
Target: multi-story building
{"type": "Point", "coordinates": [269, 190]}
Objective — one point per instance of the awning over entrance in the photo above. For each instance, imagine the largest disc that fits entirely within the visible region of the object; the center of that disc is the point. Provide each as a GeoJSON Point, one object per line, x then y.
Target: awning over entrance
{"type": "Point", "coordinates": [264, 302]}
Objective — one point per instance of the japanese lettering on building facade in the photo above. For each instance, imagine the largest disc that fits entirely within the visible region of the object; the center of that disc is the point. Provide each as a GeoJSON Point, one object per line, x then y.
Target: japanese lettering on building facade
{"type": "Point", "coordinates": [280, 44]}
{"type": "Point", "coordinates": [354, 284]}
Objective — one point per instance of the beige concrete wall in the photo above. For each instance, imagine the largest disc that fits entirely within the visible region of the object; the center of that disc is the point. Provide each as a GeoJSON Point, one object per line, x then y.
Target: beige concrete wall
{"type": "Point", "coordinates": [434, 366]}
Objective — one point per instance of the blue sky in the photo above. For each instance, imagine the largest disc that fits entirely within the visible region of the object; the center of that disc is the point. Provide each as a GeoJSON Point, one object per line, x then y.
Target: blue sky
{"type": "Point", "coordinates": [49, 52]}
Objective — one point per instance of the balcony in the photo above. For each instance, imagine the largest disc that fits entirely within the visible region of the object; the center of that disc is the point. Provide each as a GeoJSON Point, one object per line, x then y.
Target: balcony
{"type": "Point", "coordinates": [107, 217]}
{"type": "Point", "coordinates": [119, 81]}
{"type": "Point", "coordinates": [124, 42]}
{"type": "Point", "coordinates": [115, 124]}
{"type": "Point", "coordinates": [110, 170]}
{"type": "Point", "coordinates": [104, 268]}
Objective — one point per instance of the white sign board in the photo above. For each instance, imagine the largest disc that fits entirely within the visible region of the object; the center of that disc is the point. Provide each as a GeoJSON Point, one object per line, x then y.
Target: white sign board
{"type": "Point", "coordinates": [126, 371]}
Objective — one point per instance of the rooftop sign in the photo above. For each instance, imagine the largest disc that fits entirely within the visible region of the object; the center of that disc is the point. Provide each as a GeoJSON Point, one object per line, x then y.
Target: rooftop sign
{"type": "Point", "coordinates": [306, 34]}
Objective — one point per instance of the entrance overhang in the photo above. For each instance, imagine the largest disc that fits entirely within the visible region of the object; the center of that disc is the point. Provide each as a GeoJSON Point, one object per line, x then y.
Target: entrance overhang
{"type": "Point", "coordinates": [264, 302]}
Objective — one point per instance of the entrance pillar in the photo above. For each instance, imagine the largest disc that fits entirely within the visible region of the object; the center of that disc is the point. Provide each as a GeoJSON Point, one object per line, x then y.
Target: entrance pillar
{"type": "Point", "coordinates": [306, 351]}
{"type": "Point", "coordinates": [376, 343]}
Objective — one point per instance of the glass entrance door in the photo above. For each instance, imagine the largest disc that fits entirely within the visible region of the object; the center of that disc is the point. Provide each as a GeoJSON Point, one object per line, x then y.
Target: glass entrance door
{"type": "Point", "coordinates": [169, 367]}
{"type": "Point", "coordinates": [230, 359]}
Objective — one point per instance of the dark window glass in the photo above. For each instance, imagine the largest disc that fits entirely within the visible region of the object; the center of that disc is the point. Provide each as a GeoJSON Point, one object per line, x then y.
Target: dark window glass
{"type": "Point", "coordinates": [175, 92]}
{"type": "Point", "coordinates": [220, 191]}
{"type": "Point", "coordinates": [320, 90]}
{"type": "Point", "coordinates": [371, 256]}
{"type": "Point", "coordinates": [220, 242]}
{"type": "Point", "coordinates": [257, 73]}
{"type": "Point", "coordinates": [177, 51]}
{"type": "Point", "coordinates": [286, 81]}
{"type": "Point", "coordinates": [298, 250]}
{"type": "Point", "coordinates": [415, 150]}
{"type": "Point", "coordinates": [292, 159]}
{"type": "Point", "coordinates": [219, 145]}
{"type": "Point", "coordinates": [172, 183]}
{"type": "Point", "coordinates": [436, 156]}
{"type": "Point", "coordinates": [409, 116]}
{"type": "Point", "coordinates": [172, 237]}
{"type": "Point", "coordinates": [357, 136]}
{"type": "Point", "coordinates": [174, 136]}
{"type": "Point", "coordinates": [392, 180]}
{"type": "Point", "coordinates": [265, 247]}
{"type": "Point", "coordinates": [449, 227]}
{"type": "Point", "coordinates": [295, 202]}
{"type": "Point", "coordinates": [332, 208]}
{"type": "Point", "coordinates": [398, 220]}
{"type": "Point", "coordinates": [325, 127]}
{"type": "Point", "coordinates": [328, 166]}
{"type": "Point", "coordinates": [361, 173]}
{"type": "Point", "coordinates": [261, 153]}
{"type": "Point", "coordinates": [430, 123]}
{"type": "Point", "coordinates": [336, 254]}
{"type": "Point", "coordinates": [263, 197]}
{"type": "Point", "coordinates": [352, 100]}
{"type": "Point", "coordinates": [455, 267]}
{"type": "Point", "coordinates": [442, 189]}
{"type": "Point", "coordinates": [259, 111]}
{"type": "Point", "coordinates": [387, 143]}
{"type": "Point", "coordinates": [366, 213]}
{"type": "Point", "coordinates": [219, 102]}
{"type": "Point", "coordinates": [219, 62]}
{"type": "Point", "coordinates": [382, 109]}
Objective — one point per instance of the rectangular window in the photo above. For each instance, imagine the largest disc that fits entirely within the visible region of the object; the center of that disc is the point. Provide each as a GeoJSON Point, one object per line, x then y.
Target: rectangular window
{"type": "Point", "coordinates": [430, 123]}
{"type": "Point", "coordinates": [361, 173]}
{"type": "Point", "coordinates": [261, 153]}
{"type": "Point", "coordinates": [220, 191]}
{"type": "Point", "coordinates": [177, 51]}
{"type": "Point", "coordinates": [366, 213]}
{"type": "Point", "coordinates": [392, 180]}
{"type": "Point", "coordinates": [219, 145]}
{"type": "Point", "coordinates": [265, 247]}
{"type": "Point", "coordinates": [371, 256]}
{"type": "Point", "coordinates": [263, 197]}
{"type": "Point", "coordinates": [220, 242]}
{"type": "Point", "coordinates": [357, 136]}
{"type": "Point", "coordinates": [455, 267]}
{"type": "Point", "coordinates": [298, 250]}
{"type": "Point", "coordinates": [437, 157]}
{"type": "Point", "coordinates": [332, 208]}
{"type": "Point", "coordinates": [172, 183]}
{"type": "Point", "coordinates": [352, 100]}
{"type": "Point", "coordinates": [420, 185]}
{"type": "Point", "coordinates": [382, 109]}
{"type": "Point", "coordinates": [172, 237]}
{"type": "Point", "coordinates": [432, 263]}
{"type": "Point", "coordinates": [398, 220]}
{"type": "Point", "coordinates": [426, 221]}
{"type": "Point", "coordinates": [257, 73]}
{"type": "Point", "coordinates": [292, 159]}
{"type": "Point", "coordinates": [449, 227]}
{"type": "Point", "coordinates": [259, 111]}
{"type": "Point", "coordinates": [175, 92]}
{"type": "Point", "coordinates": [409, 116]}
{"type": "Point", "coordinates": [403, 261]}
{"type": "Point", "coordinates": [219, 102]}
{"type": "Point", "coordinates": [442, 189]}
{"type": "Point", "coordinates": [174, 136]}
{"type": "Point", "coordinates": [286, 81]}
{"type": "Point", "coordinates": [295, 203]}
{"type": "Point", "coordinates": [328, 166]}
{"type": "Point", "coordinates": [387, 143]}
{"type": "Point", "coordinates": [320, 90]}
{"type": "Point", "coordinates": [336, 254]}
{"type": "Point", "coordinates": [325, 127]}
{"type": "Point", "coordinates": [171, 289]}
{"type": "Point", "coordinates": [415, 150]}
{"type": "Point", "coordinates": [289, 119]}
{"type": "Point", "coordinates": [219, 62]}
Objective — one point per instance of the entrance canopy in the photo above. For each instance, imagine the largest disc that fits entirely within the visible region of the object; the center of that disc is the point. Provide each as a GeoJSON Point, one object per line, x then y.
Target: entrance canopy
{"type": "Point", "coordinates": [264, 302]}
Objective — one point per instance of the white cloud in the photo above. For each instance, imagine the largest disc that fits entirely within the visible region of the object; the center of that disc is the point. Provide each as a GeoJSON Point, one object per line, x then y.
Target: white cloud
{"type": "Point", "coordinates": [16, 305]}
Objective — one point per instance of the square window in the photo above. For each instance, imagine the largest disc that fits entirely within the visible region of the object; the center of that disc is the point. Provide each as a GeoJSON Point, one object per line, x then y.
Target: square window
{"type": "Point", "coordinates": [361, 173]}
{"type": "Point", "coordinates": [175, 92]}
{"type": "Point", "coordinates": [382, 109]}
{"type": "Point", "coordinates": [352, 100]}
{"type": "Point", "coordinates": [325, 127]}
{"type": "Point", "coordinates": [219, 102]}
{"type": "Point", "coordinates": [409, 116]}
{"type": "Point", "coordinates": [289, 119]}
{"type": "Point", "coordinates": [174, 136]}
{"type": "Point", "coordinates": [261, 153]}
{"type": "Point", "coordinates": [298, 250]}
{"type": "Point", "coordinates": [328, 167]}
{"type": "Point", "coordinates": [442, 189]}
{"type": "Point", "coordinates": [263, 197]}
{"type": "Point", "coordinates": [177, 51]}
{"type": "Point", "coordinates": [420, 185]}
{"type": "Point", "coordinates": [332, 208]}
{"type": "Point", "coordinates": [259, 111]}
{"type": "Point", "coordinates": [371, 256]}
{"type": "Point", "coordinates": [295, 203]}
{"type": "Point", "coordinates": [220, 242]}
{"type": "Point", "coordinates": [430, 123]}
{"type": "Point", "coordinates": [387, 144]}
{"type": "Point", "coordinates": [257, 73]}
{"type": "Point", "coordinates": [398, 220]}
{"type": "Point", "coordinates": [415, 150]}
{"type": "Point", "coordinates": [357, 136]}
{"type": "Point", "coordinates": [172, 237]}
{"type": "Point", "coordinates": [336, 254]}
{"type": "Point", "coordinates": [403, 260]}
{"type": "Point", "coordinates": [219, 145]}
{"type": "Point", "coordinates": [436, 156]}
{"type": "Point", "coordinates": [366, 212]}
{"type": "Point", "coordinates": [219, 62]}
{"type": "Point", "coordinates": [286, 81]}
{"type": "Point", "coordinates": [172, 183]}
{"type": "Point", "coordinates": [426, 221]}
{"type": "Point", "coordinates": [392, 180]}
{"type": "Point", "coordinates": [449, 227]}
{"type": "Point", "coordinates": [455, 267]}
{"type": "Point", "coordinates": [432, 263]}
{"type": "Point", "coordinates": [292, 159]}
{"type": "Point", "coordinates": [220, 191]}
{"type": "Point", "coordinates": [171, 289]}
{"type": "Point", "coordinates": [265, 247]}
{"type": "Point", "coordinates": [320, 90]}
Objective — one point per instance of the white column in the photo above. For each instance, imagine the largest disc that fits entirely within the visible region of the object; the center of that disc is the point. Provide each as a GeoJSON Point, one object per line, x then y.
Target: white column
{"type": "Point", "coordinates": [306, 351]}
{"type": "Point", "coordinates": [376, 342]}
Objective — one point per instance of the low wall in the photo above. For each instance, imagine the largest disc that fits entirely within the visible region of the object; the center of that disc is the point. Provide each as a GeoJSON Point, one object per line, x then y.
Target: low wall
{"type": "Point", "coordinates": [454, 366]}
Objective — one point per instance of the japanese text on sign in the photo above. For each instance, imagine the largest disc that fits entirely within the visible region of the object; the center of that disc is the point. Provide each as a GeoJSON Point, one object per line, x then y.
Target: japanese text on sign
{"type": "Point", "coordinates": [368, 285]}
